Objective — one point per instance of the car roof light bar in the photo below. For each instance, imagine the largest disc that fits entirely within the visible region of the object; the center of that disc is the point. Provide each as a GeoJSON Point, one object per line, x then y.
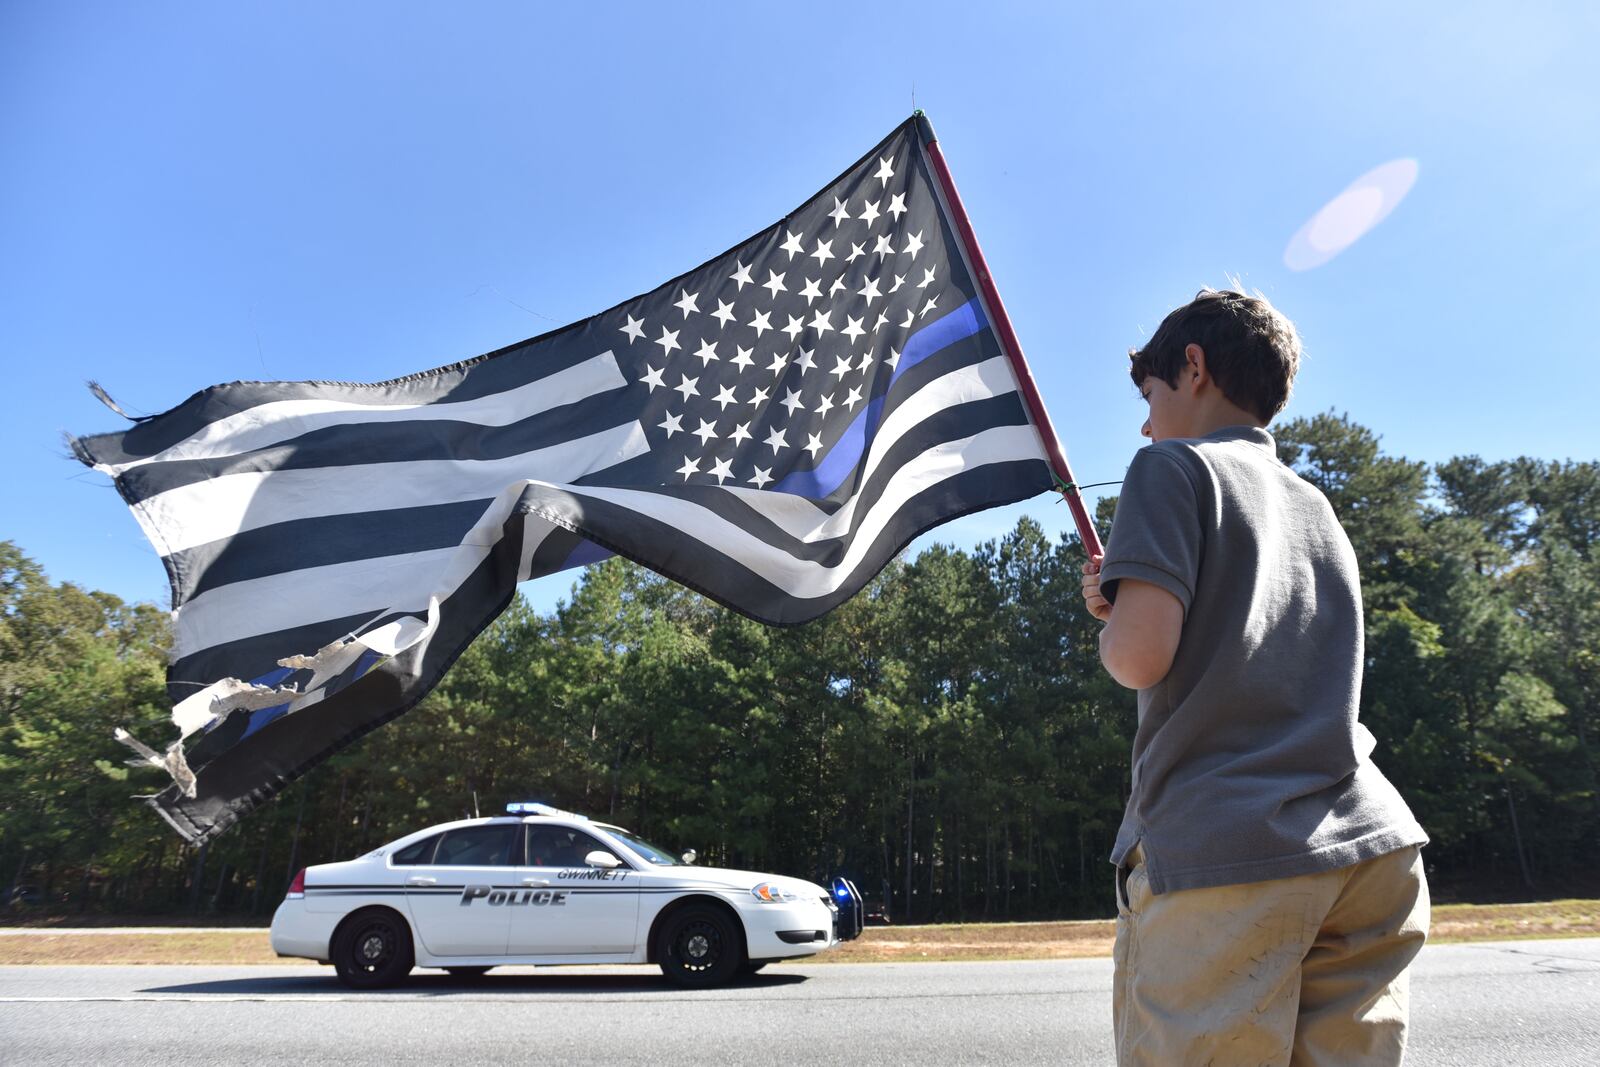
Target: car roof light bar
{"type": "Point", "coordinates": [534, 807]}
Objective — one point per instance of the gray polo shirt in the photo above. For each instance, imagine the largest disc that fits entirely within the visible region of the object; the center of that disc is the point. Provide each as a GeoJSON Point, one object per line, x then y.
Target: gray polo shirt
{"type": "Point", "coordinates": [1248, 762]}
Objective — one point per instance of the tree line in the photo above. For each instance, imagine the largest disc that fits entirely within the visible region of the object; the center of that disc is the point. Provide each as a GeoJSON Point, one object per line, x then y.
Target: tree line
{"type": "Point", "coordinates": [947, 738]}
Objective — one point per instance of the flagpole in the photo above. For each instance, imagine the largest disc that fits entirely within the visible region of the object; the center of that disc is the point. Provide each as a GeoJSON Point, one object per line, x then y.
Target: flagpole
{"type": "Point", "coordinates": [1008, 341]}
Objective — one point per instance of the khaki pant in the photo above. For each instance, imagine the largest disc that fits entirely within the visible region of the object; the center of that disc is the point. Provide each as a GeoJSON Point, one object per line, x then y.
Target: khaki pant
{"type": "Point", "coordinates": [1305, 971]}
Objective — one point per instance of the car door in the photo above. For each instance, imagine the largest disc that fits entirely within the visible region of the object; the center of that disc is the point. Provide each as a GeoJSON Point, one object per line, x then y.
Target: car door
{"type": "Point", "coordinates": [457, 897]}
{"type": "Point", "coordinates": [566, 907]}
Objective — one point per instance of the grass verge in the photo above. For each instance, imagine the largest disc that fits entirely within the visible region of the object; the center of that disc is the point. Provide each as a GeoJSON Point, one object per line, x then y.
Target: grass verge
{"type": "Point", "coordinates": [879, 944]}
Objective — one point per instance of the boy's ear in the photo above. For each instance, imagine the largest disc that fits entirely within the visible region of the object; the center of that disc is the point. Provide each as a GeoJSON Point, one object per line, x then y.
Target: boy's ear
{"type": "Point", "coordinates": [1194, 371]}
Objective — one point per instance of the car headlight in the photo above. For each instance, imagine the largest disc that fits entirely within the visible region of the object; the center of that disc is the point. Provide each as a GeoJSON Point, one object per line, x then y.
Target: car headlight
{"type": "Point", "coordinates": [768, 893]}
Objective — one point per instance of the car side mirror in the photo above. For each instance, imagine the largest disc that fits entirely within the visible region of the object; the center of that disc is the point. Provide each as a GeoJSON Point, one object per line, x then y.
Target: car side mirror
{"type": "Point", "coordinates": [689, 855]}
{"type": "Point", "coordinates": [606, 860]}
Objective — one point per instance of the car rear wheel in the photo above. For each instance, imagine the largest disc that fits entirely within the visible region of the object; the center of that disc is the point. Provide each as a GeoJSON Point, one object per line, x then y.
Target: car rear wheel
{"type": "Point", "coordinates": [468, 972]}
{"type": "Point", "coordinates": [372, 949]}
{"type": "Point", "coordinates": [699, 948]}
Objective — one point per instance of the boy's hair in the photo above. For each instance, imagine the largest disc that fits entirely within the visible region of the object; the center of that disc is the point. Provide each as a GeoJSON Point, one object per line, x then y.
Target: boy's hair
{"type": "Point", "coordinates": [1251, 349]}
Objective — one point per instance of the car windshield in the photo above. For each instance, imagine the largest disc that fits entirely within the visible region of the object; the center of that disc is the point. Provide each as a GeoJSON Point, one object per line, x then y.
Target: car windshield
{"type": "Point", "coordinates": [658, 856]}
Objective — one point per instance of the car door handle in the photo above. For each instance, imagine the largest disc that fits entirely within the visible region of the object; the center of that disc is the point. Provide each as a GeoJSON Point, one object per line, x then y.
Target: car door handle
{"type": "Point", "coordinates": [422, 880]}
{"type": "Point", "coordinates": [536, 881]}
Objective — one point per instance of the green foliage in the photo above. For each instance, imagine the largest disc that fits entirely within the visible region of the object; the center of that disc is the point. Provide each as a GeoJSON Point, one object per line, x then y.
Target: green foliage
{"type": "Point", "coordinates": [947, 737]}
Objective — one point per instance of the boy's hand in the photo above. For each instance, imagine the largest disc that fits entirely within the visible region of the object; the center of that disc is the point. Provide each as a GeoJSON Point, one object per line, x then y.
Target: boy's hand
{"type": "Point", "coordinates": [1098, 605]}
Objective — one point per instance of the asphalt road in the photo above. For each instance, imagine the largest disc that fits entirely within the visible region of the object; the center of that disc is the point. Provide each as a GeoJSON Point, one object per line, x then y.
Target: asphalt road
{"type": "Point", "coordinates": [1523, 1002]}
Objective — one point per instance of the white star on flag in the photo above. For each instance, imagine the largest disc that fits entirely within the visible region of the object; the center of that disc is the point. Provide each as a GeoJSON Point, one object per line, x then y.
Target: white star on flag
{"type": "Point", "coordinates": [774, 283]}
{"type": "Point", "coordinates": [775, 439]}
{"type": "Point", "coordinates": [634, 329]}
{"type": "Point", "coordinates": [690, 466]}
{"type": "Point", "coordinates": [761, 477]}
{"type": "Point", "coordinates": [839, 214]}
{"type": "Point", "coordinates": [792, 244]}
{"type": "Point", "coordinates": [652, 377]}
{"type": "Point", "coordinates": [706, 432]}
{"type": "Point", "coordinates": [741, 275]}
{"type": "Point", "coordinates": [707, 352]}
{"type": "Point", "coordinates": [672, 424]}
{"type": "Point", "coordinates": [725, 397]}
{"type": "Point", "coordinates": [668, 341]}
{"type": "Point", "coordinates": [687, 304]}
{"type": "Point", "coordinates": [742, 358]}
{"type": "Point", "coordinates": [724, 311]}
{"type": "Point", "coordinates": [792, 401]}
{"type": "Point", "coordinates": [687, 386]}
{"type": "Point", "coordinates": [722, 470]}
{"type": "Point", "coordinates": [885, 171]}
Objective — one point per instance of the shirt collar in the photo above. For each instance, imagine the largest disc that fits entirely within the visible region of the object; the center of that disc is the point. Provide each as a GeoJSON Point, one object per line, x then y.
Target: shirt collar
{"type": "Point", "coordinates": [1255, 435]}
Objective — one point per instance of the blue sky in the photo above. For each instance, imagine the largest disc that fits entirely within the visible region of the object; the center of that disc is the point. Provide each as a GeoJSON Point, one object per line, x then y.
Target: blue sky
{"type": "Point", "coordinates": [195, 193]}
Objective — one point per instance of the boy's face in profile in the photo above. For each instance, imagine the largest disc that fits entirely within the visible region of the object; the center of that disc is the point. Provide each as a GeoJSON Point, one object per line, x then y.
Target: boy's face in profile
{"type": "Point", "coordinates": [1173, 408]}
{"type": "Point", "coordinates": [1166, 409]}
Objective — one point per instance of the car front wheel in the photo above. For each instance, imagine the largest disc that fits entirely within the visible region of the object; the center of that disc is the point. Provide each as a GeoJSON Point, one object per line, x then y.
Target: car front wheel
{"type": "Point", "coordinates": [372, 950]}
{"type": "Point", "coordinates": [699, 948]}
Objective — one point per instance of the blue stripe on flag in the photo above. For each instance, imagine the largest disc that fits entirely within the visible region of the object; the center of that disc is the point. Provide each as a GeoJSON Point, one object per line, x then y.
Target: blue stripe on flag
{"type": "Point", "coordinates": [261, 716]}
{"type": "Point", "coordinates": [842, 458]}
{"type": "Point", "coordinates": [585, 553]}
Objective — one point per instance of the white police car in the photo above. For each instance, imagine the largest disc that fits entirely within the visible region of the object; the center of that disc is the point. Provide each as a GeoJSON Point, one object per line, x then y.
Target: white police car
{"type": "Point", "coordinates": [542, 886]}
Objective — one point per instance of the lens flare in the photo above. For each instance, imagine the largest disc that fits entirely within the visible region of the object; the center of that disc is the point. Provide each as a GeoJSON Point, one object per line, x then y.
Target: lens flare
{"type": "Point", "coordinates": [1348, 217]}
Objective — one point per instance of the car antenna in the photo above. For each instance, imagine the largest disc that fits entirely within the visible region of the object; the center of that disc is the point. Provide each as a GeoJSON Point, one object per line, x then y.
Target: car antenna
{"type": "Point", "coordinates": [475, 814]}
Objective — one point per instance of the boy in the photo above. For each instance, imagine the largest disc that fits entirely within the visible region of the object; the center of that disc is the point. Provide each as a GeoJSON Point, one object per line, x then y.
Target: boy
{"type": "Point", "coordinates": [1269, 891]}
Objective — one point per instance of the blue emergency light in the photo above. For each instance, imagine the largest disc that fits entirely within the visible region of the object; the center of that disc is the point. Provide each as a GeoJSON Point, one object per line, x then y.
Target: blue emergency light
{"type": "Point", "coordinates": [534, 807]}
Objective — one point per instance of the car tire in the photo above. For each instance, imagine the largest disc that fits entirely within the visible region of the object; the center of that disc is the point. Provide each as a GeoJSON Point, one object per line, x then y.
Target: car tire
{"type": "Point", "coordinates": [699, 947]}
{"type": "Point", "coordinates": [468, 972]}
{"type": "Point", "coordinates": [372, 949]}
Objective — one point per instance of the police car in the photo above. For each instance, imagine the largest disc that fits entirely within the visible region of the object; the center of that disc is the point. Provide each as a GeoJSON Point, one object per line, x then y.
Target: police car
{"type": "Point", "coordinates": [543, 886]}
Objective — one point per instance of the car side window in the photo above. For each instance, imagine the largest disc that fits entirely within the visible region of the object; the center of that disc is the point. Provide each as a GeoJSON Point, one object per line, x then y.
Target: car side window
{"type": "Point", "coordinates": [477, 846]}
{"type": "Point", "coordinates": [416, 855]}
{"type": "Point", "coordinates": [560, 846]}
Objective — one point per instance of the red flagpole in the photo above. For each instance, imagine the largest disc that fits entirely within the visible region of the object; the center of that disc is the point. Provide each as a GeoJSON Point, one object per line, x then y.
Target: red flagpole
{"type": "Point", "coordinates": [1008, 340]}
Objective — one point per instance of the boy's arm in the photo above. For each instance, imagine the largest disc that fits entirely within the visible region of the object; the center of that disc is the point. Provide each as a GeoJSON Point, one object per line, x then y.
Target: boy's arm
{"type": "Point", "coordinates": [1141, 632]}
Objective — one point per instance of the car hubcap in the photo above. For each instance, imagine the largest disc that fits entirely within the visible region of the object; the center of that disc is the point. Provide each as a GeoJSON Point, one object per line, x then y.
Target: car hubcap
{"type": "Point", "coordinates": [699, 946]}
